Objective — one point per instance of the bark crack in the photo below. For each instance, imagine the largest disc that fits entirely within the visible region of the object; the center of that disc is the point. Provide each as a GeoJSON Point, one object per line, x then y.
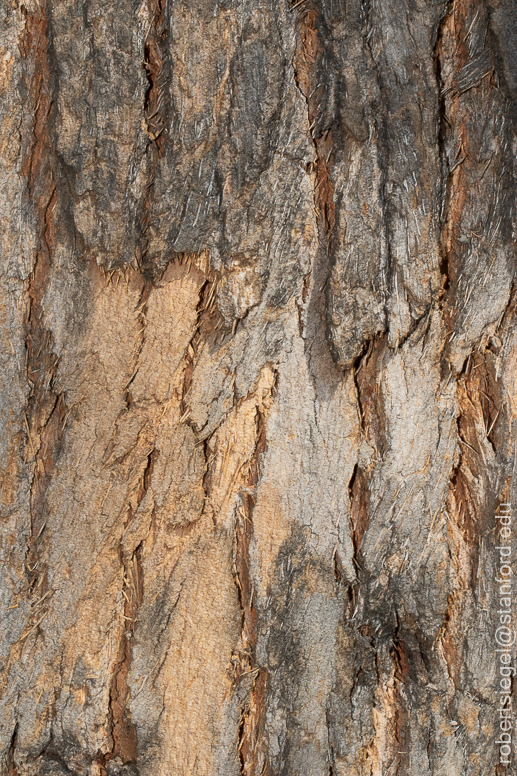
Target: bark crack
{"type": "Point", "coordinates": [12, 769]}
{"type": "Point", "coordinates": [208, 321]}
{"type": "Point", "coordinates": [331, 754]}
{"type": "Point", "coordinates": [142, 308]}
{"type": "Point", "coordinates": [307, 65]}
{"type": "Point", "coordinates": [156, 64]}
{"type": "Point", "coordinates": [446, 268]}
{"type": "Point", "coordinates": [45, 413]}
{"type": "Point", "coordinates": [367, 370]}
{"type": "Point", "coordinates": [250, 728]}
{"type": "Point", "coordinates": [123, 731]}
{"type": "Point", "coordinates": [359, 517]}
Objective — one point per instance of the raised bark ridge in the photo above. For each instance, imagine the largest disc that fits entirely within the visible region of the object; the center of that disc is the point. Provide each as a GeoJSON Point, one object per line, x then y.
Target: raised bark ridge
{"type": "Point", "coordinates": [258, 384]}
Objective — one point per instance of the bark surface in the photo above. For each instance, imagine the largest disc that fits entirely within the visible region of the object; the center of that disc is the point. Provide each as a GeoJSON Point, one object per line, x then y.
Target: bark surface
{"type": "Point", "coordinates": [258, 384]}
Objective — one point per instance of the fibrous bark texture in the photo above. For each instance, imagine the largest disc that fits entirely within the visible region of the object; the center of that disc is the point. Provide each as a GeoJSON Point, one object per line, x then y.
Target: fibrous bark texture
{"type": "Point", "coordinates": [258, 384]}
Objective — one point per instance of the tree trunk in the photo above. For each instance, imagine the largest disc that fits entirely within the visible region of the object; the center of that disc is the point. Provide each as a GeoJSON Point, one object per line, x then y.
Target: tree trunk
{"type": "Point", "coordinates": [259, 385]}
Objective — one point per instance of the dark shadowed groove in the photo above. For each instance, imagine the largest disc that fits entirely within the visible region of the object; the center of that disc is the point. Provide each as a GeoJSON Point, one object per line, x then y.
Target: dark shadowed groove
{"type": "Point", "coordinates": [253, 712]}
{"type": "Point", "coordinates": [46, 411]}
{"type": "Point", "coordinates": [308, 69]}
{"type": "Point", "coordinates": [445, 171]}
{"type": "Point", "coordinates": [157, 68]}
{"type": "Point", "coordinates": [12, 770]}
{"type": "Point", "coordinates": [123, 731]}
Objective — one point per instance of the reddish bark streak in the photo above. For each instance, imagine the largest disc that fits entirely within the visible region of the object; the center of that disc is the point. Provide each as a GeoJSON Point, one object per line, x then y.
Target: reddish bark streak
{"type": "Point", "coordinates": [46, 411]}
{"type": "Point", "coordinates": [307, 64]}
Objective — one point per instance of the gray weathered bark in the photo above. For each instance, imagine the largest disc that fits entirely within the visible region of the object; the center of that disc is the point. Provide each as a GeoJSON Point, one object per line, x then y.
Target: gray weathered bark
{"type": "Point", "coordinates": [258, 385]}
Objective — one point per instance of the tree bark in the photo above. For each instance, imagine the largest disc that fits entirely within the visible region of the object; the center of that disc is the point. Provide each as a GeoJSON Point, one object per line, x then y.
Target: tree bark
{"type": "Point", "coordinates": [258, 385]}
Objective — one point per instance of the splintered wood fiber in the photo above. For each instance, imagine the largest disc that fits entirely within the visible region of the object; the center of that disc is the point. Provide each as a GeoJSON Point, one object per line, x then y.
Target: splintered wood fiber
{"type": "Point", "coordinates": [258, 387]}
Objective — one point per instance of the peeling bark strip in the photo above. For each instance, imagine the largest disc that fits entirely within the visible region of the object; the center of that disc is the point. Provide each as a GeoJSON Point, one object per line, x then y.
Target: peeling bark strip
{"type": "Point", "coordinates": [258, 385]}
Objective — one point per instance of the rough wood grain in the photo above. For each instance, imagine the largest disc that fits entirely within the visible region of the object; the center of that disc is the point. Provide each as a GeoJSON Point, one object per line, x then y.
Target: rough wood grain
{"type": "Point", "coordinates": [258, 384]}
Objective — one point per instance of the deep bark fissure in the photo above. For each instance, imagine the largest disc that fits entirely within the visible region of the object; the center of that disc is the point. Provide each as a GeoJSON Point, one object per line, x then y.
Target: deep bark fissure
{"type": "Point", "coordinates": [332, 770]}
{"type": "Point", "coordinates": [401, 669]}
{"type": "Point", "coordinates": [45, 410]}
{"type": "Point", "coordinates": [51, 436]}
{"type": "Point", "coordinates": [123, 731]}
{"type": "Point", "coordinates": [358, 364]}
{"type": "Point", "coordinates": [141, 309]}
{"type": "Point", "coordinates": [252, 714]}
{"type": "Point", "coordinates": [307, 68]}
{"type": "Point", "coordinates": [445, 268]}
{"type": "Point", "coordinates": [12, 770]}
{"type": "Point", "coordinates": [380, 125]}
{"type": "Point", "coordinates": [369, 396]}
{"type": "Point", "coordinates": [155, 118]}
{"type": "Point", "coordinates": [153, 62]}
{"type": "Point", "coordinates": [208, 321]}
{"type": "Point", "coordinates": [359, 519]}
{"type": "Point", "coordinates": [191, 352]}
